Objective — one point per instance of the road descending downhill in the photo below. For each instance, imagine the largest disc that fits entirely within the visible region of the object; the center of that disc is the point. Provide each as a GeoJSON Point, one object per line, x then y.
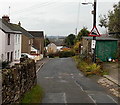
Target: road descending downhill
{"type": "Point", "coordinates": [64, 83]}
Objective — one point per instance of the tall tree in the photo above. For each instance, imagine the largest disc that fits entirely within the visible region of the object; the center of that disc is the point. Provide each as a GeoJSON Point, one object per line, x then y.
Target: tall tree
{"type": "Point", "coordinates": [69, 40]}
{"type": "Point", "coordinates": [112, 21]}
{"type": "Point", "coordinates": [103, 21]}
{"type": "Point", "coordinates": [83, 32]}
{"type": "Point", "coordinates": [46, 41]}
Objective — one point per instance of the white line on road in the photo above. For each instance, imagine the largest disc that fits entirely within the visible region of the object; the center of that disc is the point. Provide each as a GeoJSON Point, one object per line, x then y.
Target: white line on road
{"type": "Point", "coordinates": [92, 99]}
{"type": "Point", "coordinates": [111, 98]}
{"type": "Point", "coordinates": [40, 67]}
{"type": "Point", "coordinates": [64, 96]}
{"type": "Point", "coordinates": [78, 85]}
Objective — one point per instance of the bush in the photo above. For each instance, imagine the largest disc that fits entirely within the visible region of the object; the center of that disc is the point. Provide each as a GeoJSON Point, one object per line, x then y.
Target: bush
{"type": "Point", "coordinates": [88, 68]}
{"type": "Point", "coordinates": [66, 54]}
{"type": "Point", "coordinates": [5, 64]}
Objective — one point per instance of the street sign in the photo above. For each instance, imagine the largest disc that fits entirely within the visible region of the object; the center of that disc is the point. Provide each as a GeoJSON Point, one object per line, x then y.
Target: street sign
{"type": "Point", "coordinates": [93, 44]}
{"type": "Point", "coordinates": [94, 32]}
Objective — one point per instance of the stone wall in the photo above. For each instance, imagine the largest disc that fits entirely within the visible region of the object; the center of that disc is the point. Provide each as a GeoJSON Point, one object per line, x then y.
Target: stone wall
{"type": "Point", "coordinates": [17, 80]}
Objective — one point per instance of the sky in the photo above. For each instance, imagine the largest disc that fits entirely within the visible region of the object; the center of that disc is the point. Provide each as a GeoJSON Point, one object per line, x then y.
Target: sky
{"type": "Point", "coordinates": [55, 17]}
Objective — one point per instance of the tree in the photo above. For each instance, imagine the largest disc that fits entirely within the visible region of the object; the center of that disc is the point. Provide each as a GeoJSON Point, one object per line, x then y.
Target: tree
{"type": "Point", "coordinates": [46, 41]}
{"type": "Point", "coordinates": [83, 32]}
{"type": "Point", "coordinates": [103, 21]}
{"type": "Point", "coordinates": [77, 47]}
{"type": "Point", "coordinates": [69, 40]}
{"type": "Point", "coordinates": [112, 21]}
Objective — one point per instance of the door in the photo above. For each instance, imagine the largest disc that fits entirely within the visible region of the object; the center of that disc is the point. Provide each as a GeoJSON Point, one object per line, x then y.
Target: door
{"type": "Point", "coordinates": [11, 58]}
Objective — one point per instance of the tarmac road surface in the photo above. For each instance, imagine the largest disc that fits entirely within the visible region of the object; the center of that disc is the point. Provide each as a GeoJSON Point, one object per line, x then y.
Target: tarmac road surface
{"type": "Point", "coordinates": [64, 83]}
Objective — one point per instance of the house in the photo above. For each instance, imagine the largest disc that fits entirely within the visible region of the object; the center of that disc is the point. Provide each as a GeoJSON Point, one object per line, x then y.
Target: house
{"type": "Point", "coordinates": [38, 41]}
{"type": "Point", "coordinates": [27, 38]}
{"type": "Point", "coordinates": [105, 47]}
{"type": "Point", "coordinates": [51, 48]}
{"type": "Point", "coordinates": [10, 41]}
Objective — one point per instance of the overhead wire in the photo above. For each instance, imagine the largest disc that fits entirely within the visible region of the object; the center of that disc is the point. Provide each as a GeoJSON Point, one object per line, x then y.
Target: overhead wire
{"type": "Point", "coordinates": [34, 7]}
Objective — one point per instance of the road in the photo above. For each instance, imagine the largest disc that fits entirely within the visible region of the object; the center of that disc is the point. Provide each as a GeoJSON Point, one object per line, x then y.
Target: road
{"type": "Point", "coordinates": [64, 83]}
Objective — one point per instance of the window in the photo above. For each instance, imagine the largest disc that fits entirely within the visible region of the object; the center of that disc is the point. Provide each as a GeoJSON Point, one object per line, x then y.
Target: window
{"type": "Point", "coordinates": [18, 53]}
{"type": "Point", "coordinates": [18, 38]}
{"type": "Point", "coordinates": [8, 39]}
{"type": "Point", "coordinates": [29, 42]}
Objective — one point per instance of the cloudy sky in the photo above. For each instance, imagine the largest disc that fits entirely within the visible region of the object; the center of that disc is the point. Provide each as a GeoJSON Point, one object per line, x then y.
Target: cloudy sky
{"type": "Point", "coordinates": [55, 17]}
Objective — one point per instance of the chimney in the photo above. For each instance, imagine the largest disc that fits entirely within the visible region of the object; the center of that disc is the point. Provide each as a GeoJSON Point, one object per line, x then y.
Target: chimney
{"type": "Point", "coordinates": [6, 18]}
{"type": "Point", "coordinates": [19, 23]}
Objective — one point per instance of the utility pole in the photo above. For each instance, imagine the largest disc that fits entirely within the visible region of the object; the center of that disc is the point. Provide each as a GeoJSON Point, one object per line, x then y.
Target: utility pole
{"type": "Point", "coordinates": [94, 24]}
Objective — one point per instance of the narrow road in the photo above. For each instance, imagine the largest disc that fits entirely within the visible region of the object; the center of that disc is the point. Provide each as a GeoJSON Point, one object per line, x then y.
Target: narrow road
{"type": "Point", "coordinates": [64, 83]}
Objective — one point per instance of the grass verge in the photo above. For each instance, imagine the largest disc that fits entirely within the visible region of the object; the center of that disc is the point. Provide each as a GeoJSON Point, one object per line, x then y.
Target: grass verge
{"type": "Point", "coordinates": [35, 95]}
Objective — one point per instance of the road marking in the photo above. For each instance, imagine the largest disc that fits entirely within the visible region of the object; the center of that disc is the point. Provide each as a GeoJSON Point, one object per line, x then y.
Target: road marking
{"type": "Point", "coordinates": [59, 77]}
{"type": "Point", "coordinates": [79, 85]}
{"type": "Point", "coordinates": [64, 96]}
{"type": "Point", "coordinates": [92, 99]}
{"type": "Point", "coordinates": [48, 77]}
{"type": "Point", "coordinates": [40, 67]}
{"type": "Point", "coordinates": [111, 98]}
{"type": "Point", "coordinates": [73, 77]}
{"type": "Point", "coordinates": [80, 75]}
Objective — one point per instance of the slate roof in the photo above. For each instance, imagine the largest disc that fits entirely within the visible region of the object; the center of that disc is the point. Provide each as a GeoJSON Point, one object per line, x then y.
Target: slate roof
{"type": "Point", "coordinates": [37, 34]}
{"type": "Point", "coordinates": [18, 28]}
{"type": "Point", "coordinates": [7, 29]}
{"type": "Point", "coordinates": [101, 38]}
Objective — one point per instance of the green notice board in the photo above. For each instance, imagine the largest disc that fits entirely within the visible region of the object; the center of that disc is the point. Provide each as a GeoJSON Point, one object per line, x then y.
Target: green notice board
{"type": "Point", "coordinates": [106, 49]}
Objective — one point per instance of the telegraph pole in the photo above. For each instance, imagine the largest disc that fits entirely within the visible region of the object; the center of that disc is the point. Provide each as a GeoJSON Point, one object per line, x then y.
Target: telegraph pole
{"type": "Point", "coordinates": [94, 24]}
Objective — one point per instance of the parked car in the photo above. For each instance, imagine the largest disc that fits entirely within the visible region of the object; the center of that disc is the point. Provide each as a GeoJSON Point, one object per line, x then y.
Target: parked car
{"type": "Point", "coordinates": [26, 55]}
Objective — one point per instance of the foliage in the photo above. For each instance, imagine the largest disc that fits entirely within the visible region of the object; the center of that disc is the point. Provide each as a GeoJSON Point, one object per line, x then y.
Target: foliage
{"type": "Point", "coordinates": [62, 54]}
{"type": "Point", "coordinates": [35, 95]}
{"type": "Point", "coordinates": [52, 55]}
{"type": "Point", "coordinates": [69, 40]}
{"type": "Point", "coordinates": [114, 19]}
{"type": "Point", "coordinates": [77, 47]}
{"type": "Point", "coordinates": [83, 32]}
{"type": "Point", "coordinates": [46, 41]}
{"type": "Point", "coordinates": [88, 68]}
{"type": "Point", "coordinates": [5, 64]}
{"type": "Point", "coordinates": [103, 21]}
{"type": "Point", "coordinates": [66, 54]}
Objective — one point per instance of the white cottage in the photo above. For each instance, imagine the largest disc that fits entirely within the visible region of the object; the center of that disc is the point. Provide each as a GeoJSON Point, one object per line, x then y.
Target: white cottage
{"type": "Point", "coordinates": [10, 41]}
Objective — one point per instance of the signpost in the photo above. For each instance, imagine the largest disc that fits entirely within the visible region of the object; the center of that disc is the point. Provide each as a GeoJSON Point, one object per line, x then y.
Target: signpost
{"type": "Point", "coordinates": [94, 32]}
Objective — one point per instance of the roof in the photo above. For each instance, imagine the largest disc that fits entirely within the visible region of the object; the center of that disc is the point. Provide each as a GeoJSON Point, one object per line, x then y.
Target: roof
{"type": "Point", "coordinates": [17, 28]}
{"type": "Point", "coordinates": [51, 44]}
{"type": "Point", "coordinates": [35, 47]}
{"type": "Point", "coordinates": [7, 29]}
{"type": "Point", "coordinates": [101, 38]}
{"type": "Point", "coordinates": [37, 34]}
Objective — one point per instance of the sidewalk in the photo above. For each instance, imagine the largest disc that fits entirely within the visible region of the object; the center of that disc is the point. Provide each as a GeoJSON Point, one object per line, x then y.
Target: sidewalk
{"type": "Point", "coordinates": [41, 62]}
{"type": "Point", "coordinates": [111, 81]}
{"type": "Point", "coordinates": [113, 72]}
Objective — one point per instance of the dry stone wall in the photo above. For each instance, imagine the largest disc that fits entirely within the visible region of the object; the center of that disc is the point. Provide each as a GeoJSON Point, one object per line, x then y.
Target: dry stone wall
{"type": "Point", "coordinates": [17, 80]}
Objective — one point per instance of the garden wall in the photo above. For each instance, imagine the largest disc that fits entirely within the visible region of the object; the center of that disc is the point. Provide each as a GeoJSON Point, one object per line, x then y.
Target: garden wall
{"type": "Point", "coordinates": [17, 80]}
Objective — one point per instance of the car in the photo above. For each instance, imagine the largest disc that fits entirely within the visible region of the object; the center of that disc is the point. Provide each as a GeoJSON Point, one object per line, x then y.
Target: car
{"type": "Point", "coordinates": [26, 55]}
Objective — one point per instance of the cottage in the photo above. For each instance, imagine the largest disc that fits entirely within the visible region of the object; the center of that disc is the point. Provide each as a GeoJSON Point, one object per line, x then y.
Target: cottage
{"type": "Point", "coordinates": [105, 47]}
{"type": "Point", "coordinates": [10, 41]}
{"type": "Point", "coordinates": [38, 41]}
{"type": "Point", "coordinates": [51, 48]}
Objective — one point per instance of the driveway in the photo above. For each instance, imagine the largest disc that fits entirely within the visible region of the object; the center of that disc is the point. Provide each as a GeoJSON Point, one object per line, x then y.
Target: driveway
{"type": "Point", "coordinates": [64, 83]}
